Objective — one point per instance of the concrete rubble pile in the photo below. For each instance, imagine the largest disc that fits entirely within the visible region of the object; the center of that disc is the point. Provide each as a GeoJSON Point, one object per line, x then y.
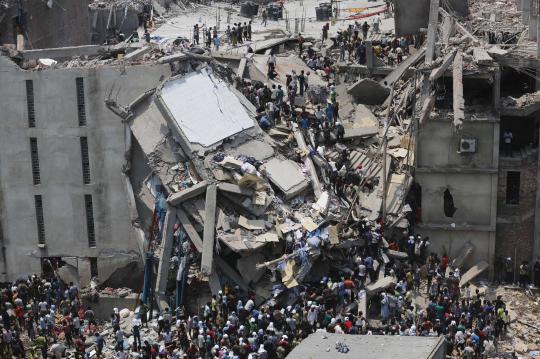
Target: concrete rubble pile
{"type": "Point", "coordinates": [256, 209]}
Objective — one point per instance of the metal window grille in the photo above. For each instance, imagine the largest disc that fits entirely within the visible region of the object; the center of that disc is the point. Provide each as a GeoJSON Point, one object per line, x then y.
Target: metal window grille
{"type": "Point", "coordinates": [90, 220]}
{"type": "Point", "coordinates": [80, 101]}
{"type": "Point", "coordinates": [30, 103]}
{"type": "Point", "coordinates": [85, 160]}
{"type": "Point", "coordinates": [35, 160]}
{"type": "Point", "coordinates": [39, 219]}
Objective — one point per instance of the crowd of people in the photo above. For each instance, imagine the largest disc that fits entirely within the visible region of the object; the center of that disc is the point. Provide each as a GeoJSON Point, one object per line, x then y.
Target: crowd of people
{"type": "Point", "coordinates": [47, 314]}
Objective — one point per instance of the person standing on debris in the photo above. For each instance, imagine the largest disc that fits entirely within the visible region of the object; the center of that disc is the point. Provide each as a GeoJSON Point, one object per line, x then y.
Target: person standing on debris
{"type": "Point", "coordinates": [271, 62]}
{"type": "Point", "coordinates": [136, 332]}
{"type": "Point", "coordinates": [119, 339]}
{"type": "Point", "coordinates": [217, 42]}
{"type": "Point", "coordinates": [196, 33]}
{"type": "Point", "coordinates": [301, 81]}
{"type": "Point", "coordinates": [365, 29]}
{"type": "Point", "coordinates": [240, 32]}
{"type": "Point", "coordinates": [208, 37]}
{"type": "Point", "coordinates": [264, 17]}
{"type": "Point", "coordinates": [376, 24]}
{"type": "Point", "coordinates": [143, 314]}
{"type": "Point", "coordinates": [524, 274]}
{"type": "Point", "coordinates": [100, 342]}
{"type": "Point", "coordinates": [508, 137]}
{"type": "Point", "coordinates": [249, 31]}
{"type": "Point", "coordinates": [234, 36]}
{"type": "Point", "coordinates": [300, 41]}
{"type": "Point", "coordinates": [340, 131]}
{"type": "Point", "coordinates": [325, 29]}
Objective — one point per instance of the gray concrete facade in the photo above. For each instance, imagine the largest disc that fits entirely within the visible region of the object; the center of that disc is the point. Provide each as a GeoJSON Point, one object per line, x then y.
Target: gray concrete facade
{"type": "Point", "coordinates": [471, 178]}
{"type": "Point", "coordinates": [58, 134]}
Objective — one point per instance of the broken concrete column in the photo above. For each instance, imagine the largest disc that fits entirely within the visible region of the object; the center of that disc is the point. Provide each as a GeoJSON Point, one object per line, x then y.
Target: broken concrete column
{"type": "Point", "coordinates": [459, 102]}
{"type": "Point", "coordinates": [209, 230]}
{"type": "Point", "coordinates": [166, 244]}
{"type": "Point", "coordinates": [177, 198]}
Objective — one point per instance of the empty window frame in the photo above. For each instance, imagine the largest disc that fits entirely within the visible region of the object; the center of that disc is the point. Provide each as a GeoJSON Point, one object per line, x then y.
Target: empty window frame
{"type": "Point", "coordinates": [93, 267]}
{"type": "Point", "coordinates": [34, 156]}
{"type": "Point", "coordinates": [85, 160]}
{"type": "Point", "coordinates": [38, 201]}
{"type": "Point", "coordinates": [30, 103]}
{"type": "Point", "coordinates": [513, 179]}
{"type": "Point", "coordinates": [90, 220]}
{"type": "Point", "coordinates": [80, 101]}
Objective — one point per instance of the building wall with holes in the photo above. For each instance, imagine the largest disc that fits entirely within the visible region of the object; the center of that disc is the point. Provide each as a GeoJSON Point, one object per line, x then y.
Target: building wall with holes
{"type": "Point", "coordinates": [471, 178]}
{"type": "Point", "coordinates": [515, 222]}
{"type": "Point", "coordinates": [62, 189]}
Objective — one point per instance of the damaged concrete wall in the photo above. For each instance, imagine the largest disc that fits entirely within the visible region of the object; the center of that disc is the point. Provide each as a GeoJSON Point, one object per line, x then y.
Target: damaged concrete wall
{"type": "Point", "coordinates": [59, 151]}
{"type": "Point", "coordinates": [515, 222]}
{"type": "Point", "coordinates": [452, 241]}
{"type": "Point", "coordinates": [471, 178]}
{"type": "Point", "coordinates": [61, 25]}
{"type": "Point", "coordinates": [412, 15]}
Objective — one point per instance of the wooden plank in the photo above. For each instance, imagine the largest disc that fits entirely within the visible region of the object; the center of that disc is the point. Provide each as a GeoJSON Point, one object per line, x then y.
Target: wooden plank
{"type": "Point", "coordinates": [209, 230]}
{"type": "Point", "coordinates": [459, 102]}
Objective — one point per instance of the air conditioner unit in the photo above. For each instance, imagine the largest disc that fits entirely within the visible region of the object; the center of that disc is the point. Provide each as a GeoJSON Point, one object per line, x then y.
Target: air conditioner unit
{"type": "Point", "coordinates": [467, 145]}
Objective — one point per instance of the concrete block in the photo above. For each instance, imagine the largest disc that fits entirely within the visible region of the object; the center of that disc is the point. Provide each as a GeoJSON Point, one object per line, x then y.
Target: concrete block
{"type": "Point", "coordinates": [369, 92]}
{"type": "Point", "coordinates": [286, 175]}
{"type": "Point", "coordinates": [248, 271]}
{"type": "Point", "coordinates": [473, 273]}
{"type": "Point", "coordinates": [235, 189]}
{"type": "Point", "coordinates": [380, 285]}
{"type": "Point", "coordinates": [481, 57]}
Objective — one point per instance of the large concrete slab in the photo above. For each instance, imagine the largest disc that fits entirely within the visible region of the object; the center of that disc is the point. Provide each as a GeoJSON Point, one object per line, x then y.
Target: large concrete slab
{"type": "Point", "coordinates": [473, 273]}
{"type": "Point", "coordinates": [205, 109]}
{"type": "Point", "coordinates": [369, 347]}
{"type": "Point", "coordinates": [369, 92]}
{"type": "Point", "coordinates": [259, 150]}
{"type": "Point", "coordinates": [286, 175]}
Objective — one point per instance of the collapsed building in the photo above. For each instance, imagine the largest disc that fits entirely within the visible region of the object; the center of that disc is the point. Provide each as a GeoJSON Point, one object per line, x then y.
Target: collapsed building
{"type": "Point", "coordinates": [156, 158]}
